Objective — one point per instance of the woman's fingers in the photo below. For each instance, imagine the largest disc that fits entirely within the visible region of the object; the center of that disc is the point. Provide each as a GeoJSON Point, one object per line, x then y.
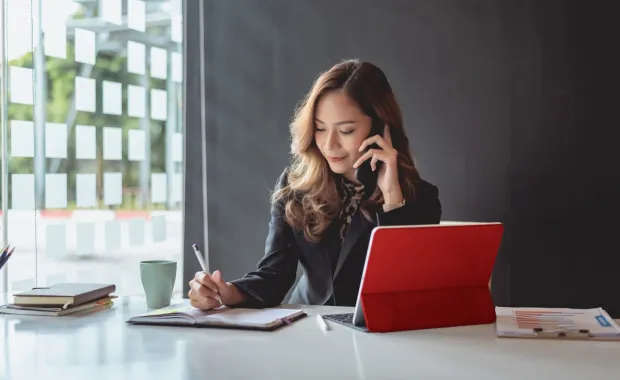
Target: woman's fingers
{"type": "Point", "coordinates": [210, 303]}
{"type": "Point", "coordinates": [199, 297]}
{"type": "Point", "coordinates": [203, 291]}
{"type": "Point", "coordinates": [376, 155]}
{"type": "Point", "coordinates": [363, 158]}
{"type": "Point", "coordinates": [376, 139]}
{"type": "Point", "coordinates": [386, 135]}
{"type": "Point", "coordinates": [206, 280]}
{"type": "Point", "coordinates": [373, 162]}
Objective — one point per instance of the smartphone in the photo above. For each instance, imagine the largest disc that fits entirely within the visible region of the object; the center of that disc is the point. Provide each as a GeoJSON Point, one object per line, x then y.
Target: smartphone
{"type": "Point", "coordinates": [364, 173]}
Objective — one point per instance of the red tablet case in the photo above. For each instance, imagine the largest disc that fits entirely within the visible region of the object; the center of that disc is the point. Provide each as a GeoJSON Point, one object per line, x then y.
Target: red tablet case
{"type": "Point", "coordinates": [438, 276]}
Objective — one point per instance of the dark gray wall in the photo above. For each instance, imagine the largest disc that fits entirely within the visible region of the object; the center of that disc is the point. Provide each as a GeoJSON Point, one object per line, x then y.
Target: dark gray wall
{"type": "Point", "coordinates": [563, 172]}
{"type": "Point", "coordinates": [498, 103]}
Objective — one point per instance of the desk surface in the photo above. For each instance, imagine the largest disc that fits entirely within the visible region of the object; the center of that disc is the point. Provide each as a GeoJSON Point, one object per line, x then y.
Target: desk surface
{"type": "Point", "coordinates": [103, 346]}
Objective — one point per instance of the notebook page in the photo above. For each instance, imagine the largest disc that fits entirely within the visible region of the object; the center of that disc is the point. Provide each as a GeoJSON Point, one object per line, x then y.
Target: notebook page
{"type": "Point", "coordinates": [248, 317]}
{"type": "Point", "coordinates": [172, 309]}
{"type": "Point", "coordinates": [178, 313]}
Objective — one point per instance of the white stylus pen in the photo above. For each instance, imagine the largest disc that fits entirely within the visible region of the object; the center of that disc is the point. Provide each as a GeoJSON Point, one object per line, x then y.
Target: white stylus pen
{"type": "Point", "coordinates": [201, 260]}
{"type": "Point", "coordinates": [322, 324]}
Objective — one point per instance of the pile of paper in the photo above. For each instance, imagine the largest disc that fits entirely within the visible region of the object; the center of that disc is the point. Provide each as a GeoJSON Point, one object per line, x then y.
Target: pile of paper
{"type": "Point", "coordinates": [526, 322]}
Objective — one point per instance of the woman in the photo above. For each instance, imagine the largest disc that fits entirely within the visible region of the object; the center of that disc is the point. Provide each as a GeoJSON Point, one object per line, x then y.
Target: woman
{"type": "Point", "coordinates": [321, 215]}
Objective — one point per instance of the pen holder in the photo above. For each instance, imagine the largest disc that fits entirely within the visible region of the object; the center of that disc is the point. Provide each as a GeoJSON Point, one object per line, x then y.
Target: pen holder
{"type": "Point", "coordinates": [158, 278]}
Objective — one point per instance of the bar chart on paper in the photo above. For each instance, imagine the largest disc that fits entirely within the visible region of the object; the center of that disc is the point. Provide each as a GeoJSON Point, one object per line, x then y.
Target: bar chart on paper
{"type": "Point", "coordinates": [547, 319]}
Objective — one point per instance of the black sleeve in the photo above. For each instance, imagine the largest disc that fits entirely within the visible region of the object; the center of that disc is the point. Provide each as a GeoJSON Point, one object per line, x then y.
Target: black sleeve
{"type": "Point", "coordinates": [426, 209]}
{"type": "Point", "coordinates": [276, 271]}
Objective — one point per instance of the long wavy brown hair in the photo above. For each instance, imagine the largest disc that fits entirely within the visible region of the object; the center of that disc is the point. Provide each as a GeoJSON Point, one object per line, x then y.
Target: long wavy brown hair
{"type": "Point", "coordinates": [311, 198]}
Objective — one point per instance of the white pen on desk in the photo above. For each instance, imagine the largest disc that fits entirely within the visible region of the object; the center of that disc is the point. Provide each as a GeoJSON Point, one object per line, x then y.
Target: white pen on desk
{"type": "Point", "coordinates": [201, 260]}
{"type": "Point", "coordinates": [322, 324]}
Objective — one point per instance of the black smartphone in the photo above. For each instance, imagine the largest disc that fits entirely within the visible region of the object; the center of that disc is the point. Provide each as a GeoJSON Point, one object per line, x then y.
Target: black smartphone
{"type": "Point", "coordinates": [364, 173]}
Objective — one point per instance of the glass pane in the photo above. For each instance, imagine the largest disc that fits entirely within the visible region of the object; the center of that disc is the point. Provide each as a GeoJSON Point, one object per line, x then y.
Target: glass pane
{"type": "Point", "coordinates": [94, 140]}
{"type": "Point", "coordinates": [20, 216]}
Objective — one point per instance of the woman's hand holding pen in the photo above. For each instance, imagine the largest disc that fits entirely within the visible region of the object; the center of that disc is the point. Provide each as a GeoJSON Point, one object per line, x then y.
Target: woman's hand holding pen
{"type": "Point", "coordinates": [208, 291]}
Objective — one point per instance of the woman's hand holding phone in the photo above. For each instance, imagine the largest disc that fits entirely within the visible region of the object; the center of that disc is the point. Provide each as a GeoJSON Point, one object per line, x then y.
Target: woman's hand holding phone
{"type": "Point", "coordinates": [387, 180]}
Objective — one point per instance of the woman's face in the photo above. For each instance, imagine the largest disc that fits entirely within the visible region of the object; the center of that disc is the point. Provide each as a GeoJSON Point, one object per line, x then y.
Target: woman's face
{"type": "Point", "coordinates": [340, 129]}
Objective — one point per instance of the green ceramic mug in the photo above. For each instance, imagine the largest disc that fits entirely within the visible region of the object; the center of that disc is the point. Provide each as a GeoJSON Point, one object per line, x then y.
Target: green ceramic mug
{"type": "Point", "coordinates": [158, 280]}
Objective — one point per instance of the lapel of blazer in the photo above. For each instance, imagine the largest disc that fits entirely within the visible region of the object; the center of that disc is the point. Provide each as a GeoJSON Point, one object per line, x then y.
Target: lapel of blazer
{"type": "Point", "coordinates": [331, 244]}
{"type": "Point", "coordinates": [358, 225]}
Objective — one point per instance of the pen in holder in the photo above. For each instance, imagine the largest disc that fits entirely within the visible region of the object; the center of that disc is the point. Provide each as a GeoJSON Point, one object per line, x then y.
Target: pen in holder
{"type": "Point", "coordinates": [5, 255]}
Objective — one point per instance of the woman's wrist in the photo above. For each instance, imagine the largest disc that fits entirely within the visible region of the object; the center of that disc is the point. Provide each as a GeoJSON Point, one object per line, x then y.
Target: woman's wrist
{"type": "Point", "coordinates": [237, 296]}
{"type": "Point", "coordinates": [393, 200]}
{"type": "Point", "coordinates": [390, 207]}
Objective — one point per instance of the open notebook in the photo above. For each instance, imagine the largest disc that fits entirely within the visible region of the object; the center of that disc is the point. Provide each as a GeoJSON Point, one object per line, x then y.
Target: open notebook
{"type": "Point", "coordinates": [254, 319]}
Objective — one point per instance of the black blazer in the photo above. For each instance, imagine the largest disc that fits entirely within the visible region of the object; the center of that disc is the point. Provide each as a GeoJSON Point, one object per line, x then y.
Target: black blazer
{"type": "Point", "coordinates": [322, 281]}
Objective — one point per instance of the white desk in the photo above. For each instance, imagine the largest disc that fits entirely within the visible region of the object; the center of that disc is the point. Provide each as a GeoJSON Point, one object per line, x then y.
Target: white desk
{"type": "Point", "coordinates": [103, 346]}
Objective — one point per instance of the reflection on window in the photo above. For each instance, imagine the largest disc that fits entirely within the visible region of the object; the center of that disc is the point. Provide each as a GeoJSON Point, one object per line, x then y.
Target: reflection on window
{"type": "Point", "coordinates": [95, 140]}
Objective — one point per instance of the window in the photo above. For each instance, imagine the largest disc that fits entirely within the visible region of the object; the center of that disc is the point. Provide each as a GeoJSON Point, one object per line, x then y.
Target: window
{"type": "Point", "coordinates": [94, 148]}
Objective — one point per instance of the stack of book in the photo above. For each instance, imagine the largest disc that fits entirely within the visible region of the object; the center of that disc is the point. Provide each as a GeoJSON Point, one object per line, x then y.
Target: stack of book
{"type": "Point", "coordinates": [61, 299]}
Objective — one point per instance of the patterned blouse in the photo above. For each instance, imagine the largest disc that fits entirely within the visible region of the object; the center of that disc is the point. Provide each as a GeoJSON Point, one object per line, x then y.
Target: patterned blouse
{"type": "Point", "coordinates": [351, 197]}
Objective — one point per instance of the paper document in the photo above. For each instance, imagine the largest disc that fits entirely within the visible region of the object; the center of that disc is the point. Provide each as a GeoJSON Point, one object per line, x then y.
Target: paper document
{"type": "Point", "coordinates": [555, 323]}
